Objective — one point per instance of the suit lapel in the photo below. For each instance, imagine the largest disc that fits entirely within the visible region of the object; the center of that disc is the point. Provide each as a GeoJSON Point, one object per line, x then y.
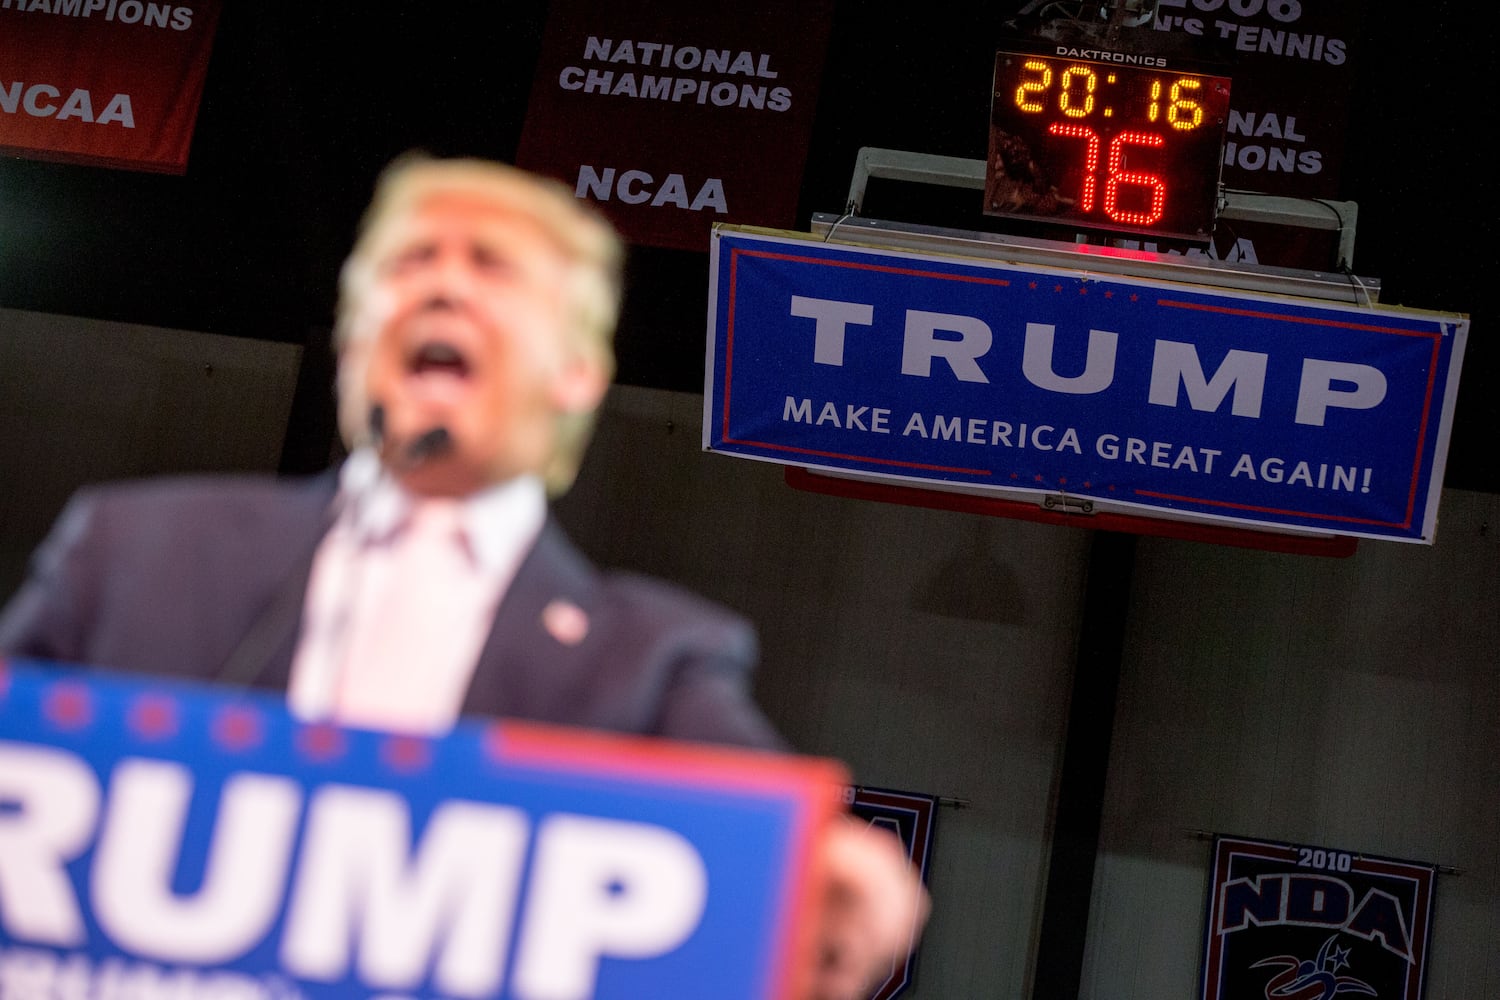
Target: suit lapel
{"type": "Point", "coordinates": [265, 652]}
{"type": "Point", "coordinates": [534, 650]}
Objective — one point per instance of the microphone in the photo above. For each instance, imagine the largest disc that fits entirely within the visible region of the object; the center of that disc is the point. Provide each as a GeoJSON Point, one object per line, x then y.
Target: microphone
{"type": "Point", "coordinates": [431, 443]}
{"type": "Point", "coordinates": [282, 611]}
{"type": "Point", "coordinates": [376, 424]}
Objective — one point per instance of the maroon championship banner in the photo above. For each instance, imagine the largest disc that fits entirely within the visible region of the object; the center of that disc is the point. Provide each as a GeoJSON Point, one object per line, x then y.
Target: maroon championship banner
{"type": "Point", "coordinates": [1306, 922]}
{"type": "Point", "coordinates": [113, 83]}
{"type": "Point", "coordinates": [1103, 93]}
{"type": "Point", "coordinates": [674, 116]}
{"type": "Point", "coordinates": [1293, 68]}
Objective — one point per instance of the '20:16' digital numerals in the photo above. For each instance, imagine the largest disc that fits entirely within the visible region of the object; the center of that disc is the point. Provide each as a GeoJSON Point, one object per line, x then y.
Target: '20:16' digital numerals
{"type": "Point", "coordinates": [1173, 105]}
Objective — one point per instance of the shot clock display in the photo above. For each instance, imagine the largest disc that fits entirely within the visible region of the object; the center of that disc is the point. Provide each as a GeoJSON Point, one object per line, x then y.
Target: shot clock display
{"type": "Point", "coordinates": [1131, 146]}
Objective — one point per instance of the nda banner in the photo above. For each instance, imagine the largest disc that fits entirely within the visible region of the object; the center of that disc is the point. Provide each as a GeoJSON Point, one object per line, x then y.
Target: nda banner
{"type": "Point", "coordinates": [1306, 922]}
{"type": "Point", "coordinates": [114, 83]}
{"type": "Point", "coordinates": [909, 816]}
{"type": "Point", "coordinates": [171, 842]}
{"type": "Point", "coordinates": [673, 116]}
{"type": "Point", "coordinates": [1157, 398]}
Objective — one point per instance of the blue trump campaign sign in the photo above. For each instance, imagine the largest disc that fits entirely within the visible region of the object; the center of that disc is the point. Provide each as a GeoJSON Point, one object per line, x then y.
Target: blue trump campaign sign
{"type": "Point", "coordinates": [167, 840]}
{"type": "Point", "coordinates": [1161, 398]}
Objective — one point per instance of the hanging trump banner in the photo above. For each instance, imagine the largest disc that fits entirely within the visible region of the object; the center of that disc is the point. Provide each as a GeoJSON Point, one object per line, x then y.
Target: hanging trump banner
{"type": "Point", "coordinates": [1080, 388]}
{"type": "Point", "coordinates": [1306, 921]}
{"type": "Point", "coordinates": [113, 83]}
{"type": "Point", "coordinates": [168, 841]}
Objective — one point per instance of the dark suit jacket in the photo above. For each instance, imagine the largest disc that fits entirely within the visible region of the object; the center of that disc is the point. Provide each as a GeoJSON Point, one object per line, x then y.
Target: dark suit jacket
{"type": "Point", "coordinates": [204, 578]}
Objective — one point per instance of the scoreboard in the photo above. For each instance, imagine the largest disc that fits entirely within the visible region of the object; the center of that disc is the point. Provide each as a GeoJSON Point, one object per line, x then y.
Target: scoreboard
{"type": "Point", "coordinates": [1114, 142]}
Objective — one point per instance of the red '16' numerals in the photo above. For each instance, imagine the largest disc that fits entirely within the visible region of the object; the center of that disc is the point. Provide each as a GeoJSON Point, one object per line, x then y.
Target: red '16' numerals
{"type": "Point", "coordinates": [1115, 174]}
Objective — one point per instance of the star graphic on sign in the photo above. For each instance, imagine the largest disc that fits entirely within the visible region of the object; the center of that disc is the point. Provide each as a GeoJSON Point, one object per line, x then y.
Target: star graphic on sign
{"type": "Point", "coordinates": [1057, 288]}
{"type": "Point", "coordinates": [1032, 285]}
{"type": "Point", "coordinates": [1109, 294]}
{"type": "Point", "coordinates": [1134, 297]}
{"type": "Point", "coordinates": [1038, 477]}
{"type": "Point", "coordinates": [1083, 289]}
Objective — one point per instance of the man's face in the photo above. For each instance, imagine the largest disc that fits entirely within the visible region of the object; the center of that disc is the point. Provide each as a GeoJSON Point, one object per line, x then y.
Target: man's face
{"type": "Point", "coordinates": [465, 327]}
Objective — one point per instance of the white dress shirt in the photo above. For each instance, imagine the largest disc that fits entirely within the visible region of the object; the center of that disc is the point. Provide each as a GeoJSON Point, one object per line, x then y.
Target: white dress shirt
{"type": "Point", "coordinates": [348, 667]}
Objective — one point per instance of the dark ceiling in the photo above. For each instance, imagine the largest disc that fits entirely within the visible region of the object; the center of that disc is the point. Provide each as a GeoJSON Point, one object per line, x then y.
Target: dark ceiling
{"type": "Point", "coordinates": [305, 102]}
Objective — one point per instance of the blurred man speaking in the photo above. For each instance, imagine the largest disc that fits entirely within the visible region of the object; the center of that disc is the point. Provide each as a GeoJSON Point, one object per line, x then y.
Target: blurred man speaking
{"type": "Point", "coordinates": [426, 579]}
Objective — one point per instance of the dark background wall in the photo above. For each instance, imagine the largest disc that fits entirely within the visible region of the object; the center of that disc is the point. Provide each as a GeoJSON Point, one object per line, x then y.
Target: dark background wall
{"type": "Point", "coordinates": [305, 102]}
{"type": "Point", "coordinates": [1349, 702]}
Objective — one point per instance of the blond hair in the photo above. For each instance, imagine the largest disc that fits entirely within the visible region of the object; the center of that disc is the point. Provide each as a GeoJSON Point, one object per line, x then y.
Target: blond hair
{"type": "Point", "coordinates": [594, 285]}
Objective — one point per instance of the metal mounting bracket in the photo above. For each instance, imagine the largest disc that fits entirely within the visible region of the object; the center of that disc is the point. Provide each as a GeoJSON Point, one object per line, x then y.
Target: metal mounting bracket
{"type": "Point", "coordinates": [960, 172]}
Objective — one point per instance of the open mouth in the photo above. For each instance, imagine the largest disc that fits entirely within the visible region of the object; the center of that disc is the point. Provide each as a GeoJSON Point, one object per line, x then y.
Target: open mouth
{"type": "Point", "coordinates": [438, 358]}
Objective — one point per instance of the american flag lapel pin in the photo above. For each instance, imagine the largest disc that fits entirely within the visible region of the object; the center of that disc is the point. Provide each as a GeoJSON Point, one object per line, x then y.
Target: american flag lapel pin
{"type": "Point", "coordinates": [565, 621]}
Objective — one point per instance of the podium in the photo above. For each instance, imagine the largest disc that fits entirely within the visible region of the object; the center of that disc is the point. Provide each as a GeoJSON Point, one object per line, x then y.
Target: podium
{"type": "Point", "coordinates": [183, 841]}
